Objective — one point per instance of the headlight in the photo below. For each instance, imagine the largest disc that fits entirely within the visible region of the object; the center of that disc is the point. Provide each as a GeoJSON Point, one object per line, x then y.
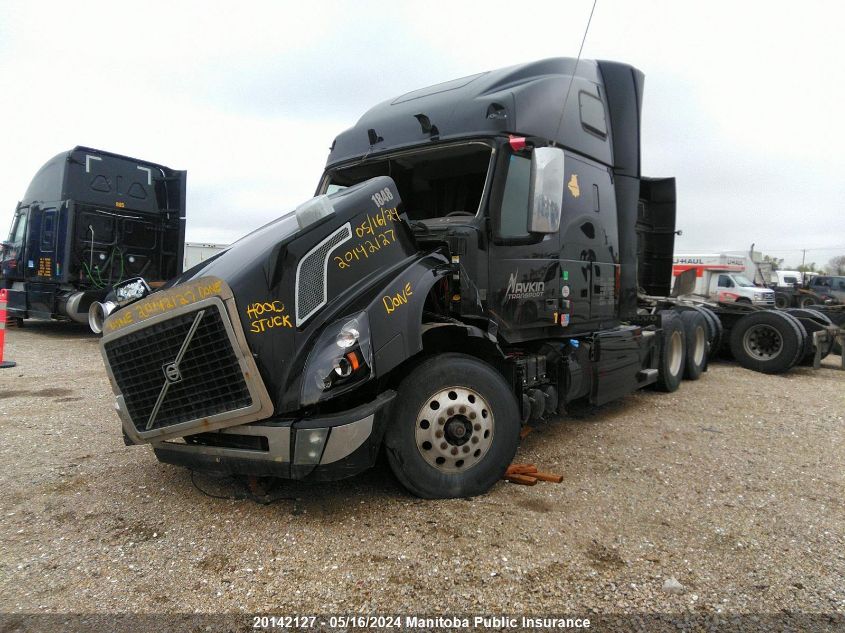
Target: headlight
{"type": "Point", "coordinates": [349, 334]}
{"type": "Point", "coordinates": [340, 360]}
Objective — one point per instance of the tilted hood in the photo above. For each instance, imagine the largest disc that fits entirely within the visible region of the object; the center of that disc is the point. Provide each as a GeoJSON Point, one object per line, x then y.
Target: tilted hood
{"type": "Point", "coordinates": [331, 258]}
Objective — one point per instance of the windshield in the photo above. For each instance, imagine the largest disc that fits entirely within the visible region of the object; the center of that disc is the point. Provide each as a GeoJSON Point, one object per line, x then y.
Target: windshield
{"type": "Point", "coordinates": [18, 229]}
{"type": "Point", "coordinates": [433, 182]}
{"type": "Point", "coordinates": [743, 281]}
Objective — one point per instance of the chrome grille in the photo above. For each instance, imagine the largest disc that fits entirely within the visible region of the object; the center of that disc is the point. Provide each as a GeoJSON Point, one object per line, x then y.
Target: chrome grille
{"type": "Point", "coordinates": [311, 274]}
{"type": "Point", "coordinates": [178, 370]}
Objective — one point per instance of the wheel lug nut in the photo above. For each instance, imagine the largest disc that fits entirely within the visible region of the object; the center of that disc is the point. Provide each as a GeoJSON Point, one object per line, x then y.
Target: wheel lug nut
{"type": "Point", "coordinates": [438, 434]}
{"type": "Point", "coordinates": [441, 421]}
{"type": "Point", "coordinates": [477, 426]}
{"type": "Point", "coordinates": [451, 411]}
{"type": "Point", "coordinates": [466, 449]}
{"type": "Point", "coordinates": [455, 450]}
{"type": "Point", "coordinates": [462, 410]}
{"type": "Point", "coordinates": [443, 445]}
{"type": "Point", "coordinates": [474, 440]}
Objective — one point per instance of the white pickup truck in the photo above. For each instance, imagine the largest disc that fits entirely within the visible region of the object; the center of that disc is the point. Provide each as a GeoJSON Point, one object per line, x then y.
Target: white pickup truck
{"type": "Point", "coordinates": [720, 277]}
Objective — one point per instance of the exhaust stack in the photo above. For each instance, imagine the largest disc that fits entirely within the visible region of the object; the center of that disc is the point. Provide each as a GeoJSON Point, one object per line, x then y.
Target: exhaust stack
{"type": "Point", "coordinates": [98, 313]}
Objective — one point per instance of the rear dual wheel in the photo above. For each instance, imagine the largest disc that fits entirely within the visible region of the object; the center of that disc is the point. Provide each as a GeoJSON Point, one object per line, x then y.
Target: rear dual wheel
{"type": "Point", "coordinates": [670, 365]}
{"type": "Point", "coordinates": [696, 333]}
{"type": "Point", "coordinates": [768, 341]}
{"type": "Point", "coordinates": [812, 321]}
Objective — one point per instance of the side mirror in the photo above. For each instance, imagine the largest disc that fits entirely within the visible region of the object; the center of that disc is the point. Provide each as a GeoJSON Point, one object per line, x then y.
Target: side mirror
{"type": "Point", "coordinates": [545, 193]}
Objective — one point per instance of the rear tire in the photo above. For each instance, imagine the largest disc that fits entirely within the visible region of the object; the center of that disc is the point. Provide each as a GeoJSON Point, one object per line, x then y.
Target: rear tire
{"type": "Point", "coordinates": [806, 302]}
{"type": "Point", "coordinates": [719, 332]}
{"type": "Point", "coordinates": [819, 320]}
{"type": "Point", "coordinates": [782, 300]}
{"type": "Point", "coordinates": [697, 343]}
{"type": "Point", "coordinates": [806, 338]}
{"type": "Point", "coordinates": [670, 366]}
{"type": "Point", "coordinates": [767, 341]}
{"type": "Point", "coordinates": [455, 428]}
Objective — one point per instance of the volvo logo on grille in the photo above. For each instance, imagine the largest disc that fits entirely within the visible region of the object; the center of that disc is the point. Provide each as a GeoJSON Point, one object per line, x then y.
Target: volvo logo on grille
{"type": "Point", "coordinates": [172, 373]}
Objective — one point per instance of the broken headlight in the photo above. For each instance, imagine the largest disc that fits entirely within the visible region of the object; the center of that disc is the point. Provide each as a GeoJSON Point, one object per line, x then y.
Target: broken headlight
{"type": "Point", "coordinates": [341, 360]}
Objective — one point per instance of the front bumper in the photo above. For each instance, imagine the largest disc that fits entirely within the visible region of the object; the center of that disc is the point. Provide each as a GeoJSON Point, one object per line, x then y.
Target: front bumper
{"type": "Point", "coordinates": [322, 448]}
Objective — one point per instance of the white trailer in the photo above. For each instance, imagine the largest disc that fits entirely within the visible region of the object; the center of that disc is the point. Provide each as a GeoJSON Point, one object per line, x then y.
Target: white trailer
{"type": "Point", "coordinates": [787, 278]}
{"type": "Point", "coordinates": [197, 252]}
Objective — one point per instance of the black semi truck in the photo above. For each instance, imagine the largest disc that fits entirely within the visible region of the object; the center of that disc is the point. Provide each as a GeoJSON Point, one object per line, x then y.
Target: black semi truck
{"type": "Point", "coordinates": [476, 255]}
{"type": "Point", "coordinates": [89, 220]}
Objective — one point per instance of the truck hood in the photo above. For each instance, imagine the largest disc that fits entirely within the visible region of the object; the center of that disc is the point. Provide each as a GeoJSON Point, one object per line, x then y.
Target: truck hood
{"type": "Point", "coordinates": [304, 270]}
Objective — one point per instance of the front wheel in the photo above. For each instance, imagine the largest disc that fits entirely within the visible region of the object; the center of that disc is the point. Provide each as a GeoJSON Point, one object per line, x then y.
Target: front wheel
{"type": "Point", "coordinates": [454, 429]}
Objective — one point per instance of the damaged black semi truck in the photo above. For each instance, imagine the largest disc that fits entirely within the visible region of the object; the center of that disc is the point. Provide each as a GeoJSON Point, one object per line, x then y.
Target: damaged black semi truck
{"type": "Point", "coordinates": [471, 261]}
{"type": "Point", "coordinates": [88, 221]}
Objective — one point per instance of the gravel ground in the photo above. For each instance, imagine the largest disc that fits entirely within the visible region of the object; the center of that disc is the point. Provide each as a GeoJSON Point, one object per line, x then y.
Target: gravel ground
{"type": "Point", "coordinates": [733, 486]}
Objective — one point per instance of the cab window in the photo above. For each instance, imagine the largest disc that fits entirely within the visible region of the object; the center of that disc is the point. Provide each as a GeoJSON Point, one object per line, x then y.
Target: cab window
{"type": "Point", "coordinates": [48, 230]}
{"type": "Point", "coordinates": [725, 282]}
{"type": "Point", "coordinates": [432, 182]}
{"type": "Point", "coordinates": [514, 216]}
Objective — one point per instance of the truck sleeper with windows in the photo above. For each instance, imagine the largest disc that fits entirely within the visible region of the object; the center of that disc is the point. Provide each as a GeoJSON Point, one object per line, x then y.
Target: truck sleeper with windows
{"type": "Point", "coordinates": [471, 260]}
{"type": "Point", "coordinates": [88, 221]}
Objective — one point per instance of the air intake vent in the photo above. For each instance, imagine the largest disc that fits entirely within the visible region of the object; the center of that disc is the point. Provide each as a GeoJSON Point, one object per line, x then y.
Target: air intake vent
{"type": "Point", "coordinates": [311, 293]}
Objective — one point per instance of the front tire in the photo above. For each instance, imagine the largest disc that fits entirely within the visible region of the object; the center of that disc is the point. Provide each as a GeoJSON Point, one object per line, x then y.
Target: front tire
{"type": "Point", "coordinates": [455, 428]}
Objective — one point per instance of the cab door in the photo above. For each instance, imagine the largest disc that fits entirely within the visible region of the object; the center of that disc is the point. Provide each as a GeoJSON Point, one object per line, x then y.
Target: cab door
{"type": "Point", "coordinates": [725, 289]}
{"type": "Point", "coordinates": [524, 268]}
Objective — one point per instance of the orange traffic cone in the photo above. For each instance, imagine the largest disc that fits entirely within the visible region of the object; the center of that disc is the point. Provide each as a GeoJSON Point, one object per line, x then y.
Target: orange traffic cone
{"type": "Point", "coordinates": [3, 363]}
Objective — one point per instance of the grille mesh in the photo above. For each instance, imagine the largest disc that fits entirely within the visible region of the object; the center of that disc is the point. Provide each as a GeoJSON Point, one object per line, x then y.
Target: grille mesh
{"type": "Point", "coordinates": [311, 283]}
{"type": "Point", "coordinates": [212, 381]}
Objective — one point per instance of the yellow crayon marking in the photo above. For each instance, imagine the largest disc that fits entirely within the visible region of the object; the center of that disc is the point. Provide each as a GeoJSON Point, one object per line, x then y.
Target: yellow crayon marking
{"type": "Point", "coordinates": [391, 302]}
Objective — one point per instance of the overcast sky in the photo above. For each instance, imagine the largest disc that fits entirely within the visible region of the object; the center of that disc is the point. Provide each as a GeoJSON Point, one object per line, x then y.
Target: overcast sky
{"type": "Point", "coordinates": [744, 102]}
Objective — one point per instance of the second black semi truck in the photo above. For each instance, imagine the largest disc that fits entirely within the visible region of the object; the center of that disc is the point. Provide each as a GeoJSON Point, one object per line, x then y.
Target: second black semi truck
{"type": "Point", "coordinates": [89, 220]}
{"type": "Point", "coordinates": [472, 259]}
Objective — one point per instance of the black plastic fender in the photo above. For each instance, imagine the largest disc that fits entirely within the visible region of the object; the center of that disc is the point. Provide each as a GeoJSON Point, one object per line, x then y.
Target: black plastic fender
{"type": "Point", "coordinates": [396, 312]}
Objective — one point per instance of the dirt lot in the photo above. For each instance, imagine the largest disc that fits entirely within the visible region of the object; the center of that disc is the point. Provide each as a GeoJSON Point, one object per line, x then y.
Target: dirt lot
{"type": "Point", "coordinates": [734, 486]}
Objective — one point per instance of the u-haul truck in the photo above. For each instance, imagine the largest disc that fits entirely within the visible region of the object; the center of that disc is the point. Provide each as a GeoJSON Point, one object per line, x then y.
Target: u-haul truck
{"type": "Point", "coordinates": [721, 277]}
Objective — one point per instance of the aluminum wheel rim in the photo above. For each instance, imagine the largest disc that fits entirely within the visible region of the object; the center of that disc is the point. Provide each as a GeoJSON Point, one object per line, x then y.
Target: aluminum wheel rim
{"type": "Point", "coordinates": [698, 353]}
{"type": "Point", "coordinates": [762, 342]}
{"type": "Point", "coordinates": [454, 429]}
{"type": "Point", "coordinates": [675, 353]}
